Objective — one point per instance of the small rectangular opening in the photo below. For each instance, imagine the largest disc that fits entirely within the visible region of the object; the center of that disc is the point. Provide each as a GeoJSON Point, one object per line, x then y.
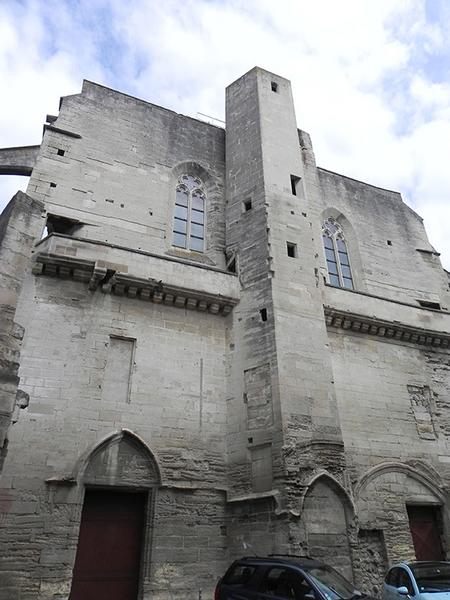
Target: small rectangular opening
{"type": "Point", "coordinates": [64, 225]}
{"type": "Point", "coordinates": [247, 204]}
{"type": "Point", "coordinates": [263, 313]}
{"type": "Point", "coordinates": [291, 249]}
{"type": "Point", "coordinates": [61, 152]}
{"type": "Point", "coordinates": [231, 263]}
{"type": "Point", "coordinates": [427, 304]}
{"type": "Point", "coordinates": [52, 184]}
{"type": "Point", "coordinates": [388, 242]}
{"type": "Point", "coordinates": [274, 86]}
{"type": "Point", "coordinates": [294, 184]}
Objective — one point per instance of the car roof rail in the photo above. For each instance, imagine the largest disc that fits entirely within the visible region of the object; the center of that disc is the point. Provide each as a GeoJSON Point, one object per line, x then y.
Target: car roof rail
{"type": "Point", "coordinates": [291, 555]}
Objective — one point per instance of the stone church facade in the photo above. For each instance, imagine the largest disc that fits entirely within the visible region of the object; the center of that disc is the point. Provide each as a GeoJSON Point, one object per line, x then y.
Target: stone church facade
{"type": "Point", "coordinates": [211, 347]}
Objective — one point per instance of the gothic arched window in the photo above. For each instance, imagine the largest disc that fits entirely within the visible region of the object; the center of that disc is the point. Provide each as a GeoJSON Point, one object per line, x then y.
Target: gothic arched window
{"type": "Point", "coordinates": [189, 218]}
{"type": "Point", "coordinates": [336, 254]}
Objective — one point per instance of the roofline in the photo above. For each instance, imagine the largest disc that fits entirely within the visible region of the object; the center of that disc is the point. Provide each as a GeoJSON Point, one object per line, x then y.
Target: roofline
{"type": "Point", "coordinates": [146, 102]}
{"type": "Point", "coordinates": [257, 69]}
{"type": "Point", "coordinates": [21, 147]}
{"type": "Point", "coordinates": [377, 187]}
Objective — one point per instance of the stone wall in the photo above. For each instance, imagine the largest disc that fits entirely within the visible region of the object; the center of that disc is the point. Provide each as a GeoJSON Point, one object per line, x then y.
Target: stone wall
{"type": "Point", "coordinates": [389, 250]}
{"type": "Point", "coordinates": [63, 369]}
{"type": "Point", "coordinates": [20, 224]}
{"type": "Point", "coordinates": [258, 408]}
{"type": "Point", "coordinates": [370, 561]}
{"type": "Point", "coordinates": [111, 163]}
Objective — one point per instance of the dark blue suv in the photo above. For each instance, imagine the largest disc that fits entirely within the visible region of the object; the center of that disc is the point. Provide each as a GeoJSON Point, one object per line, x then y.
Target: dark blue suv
{"type": "Point", "coordinates": [284, 577]}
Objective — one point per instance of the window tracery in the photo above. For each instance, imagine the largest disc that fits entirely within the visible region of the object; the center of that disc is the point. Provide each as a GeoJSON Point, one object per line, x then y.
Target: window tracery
{"type": "Point", "coordinates": [336, 254]}
{"type": "Point", "coordinates": [189, 217]}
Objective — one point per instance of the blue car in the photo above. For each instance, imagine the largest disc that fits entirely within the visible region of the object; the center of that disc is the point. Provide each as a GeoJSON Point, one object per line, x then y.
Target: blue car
{"type": "Point", "coordinates": [419, 580]}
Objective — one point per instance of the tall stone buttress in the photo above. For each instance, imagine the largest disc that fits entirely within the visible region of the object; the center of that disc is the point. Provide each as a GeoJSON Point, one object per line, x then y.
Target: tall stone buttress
{"type": "Point", "coordinates": [283, 416]}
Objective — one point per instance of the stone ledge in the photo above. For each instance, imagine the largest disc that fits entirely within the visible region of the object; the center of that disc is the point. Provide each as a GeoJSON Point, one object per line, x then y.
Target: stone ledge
{"type": "Point", "coordinates": [104, 275]}
{"type": "Point", "coordinates": [253, 496]}
{"type": "Point", "coordinates": [61, 131]}
{"type": "Point", "coordinates": [394, 330]}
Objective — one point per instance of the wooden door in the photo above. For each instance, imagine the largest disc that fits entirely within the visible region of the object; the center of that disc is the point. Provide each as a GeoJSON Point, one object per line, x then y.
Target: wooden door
{"type": "Point", "coordinates": [108, 558]}
{"type": "Point", "coordinates": [423, 522]}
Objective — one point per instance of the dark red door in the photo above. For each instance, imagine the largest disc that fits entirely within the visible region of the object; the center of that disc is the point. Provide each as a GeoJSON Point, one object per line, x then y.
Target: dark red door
{"type": "Point", "coordinates": [423, 522]}
{"type": "Point", "coordinates": [108, 556]}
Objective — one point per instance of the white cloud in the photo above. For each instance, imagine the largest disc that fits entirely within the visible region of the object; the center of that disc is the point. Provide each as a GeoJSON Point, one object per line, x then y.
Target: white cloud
{"type": "Point", "coordinates": [359, 70]}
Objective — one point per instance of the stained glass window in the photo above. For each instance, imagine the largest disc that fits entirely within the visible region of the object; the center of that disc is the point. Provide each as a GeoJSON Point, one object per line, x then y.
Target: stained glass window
{"type": "Point", "coordinates": [189, 216]}
{"type": "Point", "coordinates": [336, 255]}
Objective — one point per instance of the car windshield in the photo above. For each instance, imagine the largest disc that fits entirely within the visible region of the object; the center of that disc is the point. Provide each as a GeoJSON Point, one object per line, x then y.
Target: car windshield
{"type": "Point", "coordinates": [432, 577]}
{"type": "Point", "coordinates": [332, 584]}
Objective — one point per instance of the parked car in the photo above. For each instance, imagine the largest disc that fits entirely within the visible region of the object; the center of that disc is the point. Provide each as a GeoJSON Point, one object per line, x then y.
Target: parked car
{"type": "Point", "coordinates": [284, 577]}
{"type": "Point", "coordinates": [421, 580]}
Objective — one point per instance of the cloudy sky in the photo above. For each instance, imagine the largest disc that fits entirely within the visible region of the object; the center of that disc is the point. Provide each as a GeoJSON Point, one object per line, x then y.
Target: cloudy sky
{"type": "Point", "coordinates": [371, 78]}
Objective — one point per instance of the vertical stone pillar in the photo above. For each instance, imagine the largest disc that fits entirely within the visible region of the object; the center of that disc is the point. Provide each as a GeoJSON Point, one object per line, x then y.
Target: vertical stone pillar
{"type": "Point", "coordinates": [20, 225]}
{"type": "Point", "coordinates": [270, 228]}
{"type": "Point", "coordinates": [254, 431]}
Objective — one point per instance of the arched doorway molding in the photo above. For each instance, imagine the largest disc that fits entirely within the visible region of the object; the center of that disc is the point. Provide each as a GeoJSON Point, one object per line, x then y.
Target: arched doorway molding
{"type": "Point", "coordinates": [123, 462]}
{"type": "Point", "coordinates": [328, 515]}
{"type": "Point", "coordinates": [385, 496]}
{"type": "Point", "coordinates": [434, 485]}
{"type": "Point", "coordinates": [127, 435]}
{"type": "Point", "coordinates": [335, 485]}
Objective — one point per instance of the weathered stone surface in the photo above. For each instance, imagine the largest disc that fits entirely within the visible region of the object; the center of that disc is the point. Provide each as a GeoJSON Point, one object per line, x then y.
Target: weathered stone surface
{"type": "Point", "coordinates": [20, 225]}
{"type": "Point", "coordinates": [258, 408]}
{"type": "Point", "coordinates": [18, 161]}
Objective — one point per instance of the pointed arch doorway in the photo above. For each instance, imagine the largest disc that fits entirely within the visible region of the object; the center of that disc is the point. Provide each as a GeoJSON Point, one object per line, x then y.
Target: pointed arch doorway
{"type": "Point", "coordinates": [114, 544]}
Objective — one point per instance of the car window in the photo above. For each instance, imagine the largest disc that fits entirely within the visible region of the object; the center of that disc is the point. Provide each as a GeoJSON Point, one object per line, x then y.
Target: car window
{"type": "Point", "coordinates": [405, 579]}
{"type": "Point", "coordinates": [331, 583]}
{"type": "Point", "coordinates": [287, 584]}
{"type": "Point", "coordinates": [393, 576]}
{"type": "Point", "coordinates": [239, 575]}
{"type": "Point", "coordinates": [432, 577]}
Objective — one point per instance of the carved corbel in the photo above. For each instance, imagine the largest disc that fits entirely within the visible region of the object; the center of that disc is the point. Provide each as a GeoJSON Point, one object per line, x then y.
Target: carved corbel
{"type": "Point", "coordinates": [98, 275]}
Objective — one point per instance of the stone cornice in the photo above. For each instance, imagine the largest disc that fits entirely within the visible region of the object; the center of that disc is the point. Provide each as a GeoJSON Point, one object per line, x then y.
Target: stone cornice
{"type": "Point", "coordinates": [341, 319]}
{"type": "Point", "coordinates": [124, 284]}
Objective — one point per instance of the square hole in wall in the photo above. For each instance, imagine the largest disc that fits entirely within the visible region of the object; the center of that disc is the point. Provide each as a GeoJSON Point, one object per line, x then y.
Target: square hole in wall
{"type": "Point", "coordinates": [274, 86]}
{"type": "Point", "coordinates": [263, 314]}
{"type": "Point", "coordinates": [291, 249]}
{"type": "Point", "coordinates": [389, 243]}
{"type": "Point", "coordinates": [52, 184]}
{"type": "Point", "coordinates": [247, 204]}
{"type": "Point", "coordinates": [60, 152]}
